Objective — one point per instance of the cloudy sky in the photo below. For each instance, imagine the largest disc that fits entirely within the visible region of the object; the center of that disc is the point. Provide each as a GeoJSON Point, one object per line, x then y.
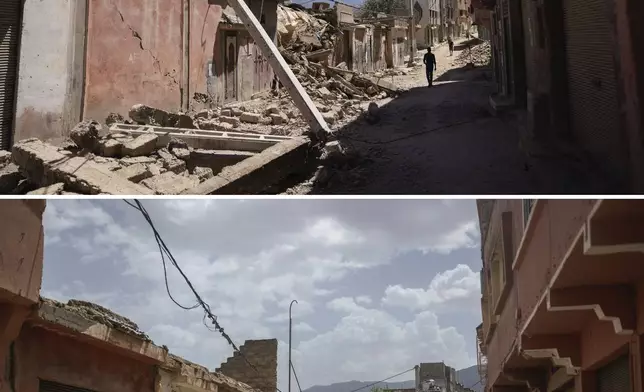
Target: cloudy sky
{"type": "Point", "coordinates": [382, 284]}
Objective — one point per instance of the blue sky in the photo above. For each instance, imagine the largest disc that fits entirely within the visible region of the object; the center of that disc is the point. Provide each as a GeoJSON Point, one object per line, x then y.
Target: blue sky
{"type": "Point", "coordinates": [382, 284]}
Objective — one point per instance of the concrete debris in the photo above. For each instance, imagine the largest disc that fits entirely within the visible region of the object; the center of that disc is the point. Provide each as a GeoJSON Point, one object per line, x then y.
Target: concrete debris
{"type": "Point", "coordinates": [114, 118]}
{"type": "Point", "coordinates": [5, 157]}
{"type": "Point", "coordinates": [169, 183]}
{"type": "Point", "coordinates": [10, 177]}
{"type": "Point", "coordinates": [143, 145]}
{"type": "Point", "coordinates": [110, 147]}
{"type": "Point", "coordinates": [86, 134]}
{"type": "Point", "coordinates": [203, 173]}
{"type": "Point", "coordinates": [250, 117]}
{"type": "Point", "coordinates": [146, 115]}
{"type": "Point", "coordinates": [55, 189]}
{"type": "Point", "coordinates": [100, 314]}
{"type": "Point", "coordinates": [45, 165]}
{"type": "Point", "coordinates": [135, 173]}
{"type": "Point", "coordinates": [229, 119]}
{"type": "Point", "coordinates": [477, 54]}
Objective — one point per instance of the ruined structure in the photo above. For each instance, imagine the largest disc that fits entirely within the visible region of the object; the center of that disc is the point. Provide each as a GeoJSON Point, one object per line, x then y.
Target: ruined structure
{"type": "Point", "coordinates": [78, 346]}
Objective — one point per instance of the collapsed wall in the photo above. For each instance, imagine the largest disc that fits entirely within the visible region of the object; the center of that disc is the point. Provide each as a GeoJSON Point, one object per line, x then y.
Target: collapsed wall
{"type": "Point", "coordinates": [263, 355]}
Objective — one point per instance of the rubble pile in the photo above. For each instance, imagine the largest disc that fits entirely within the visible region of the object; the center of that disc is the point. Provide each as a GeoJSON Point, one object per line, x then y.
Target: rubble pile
{"type": "Point", "coordinates": [479, 54]}
{"type": "Point", "coordinates": [100, 314]}
{"type": "Point", "coordinates": [120, 161]}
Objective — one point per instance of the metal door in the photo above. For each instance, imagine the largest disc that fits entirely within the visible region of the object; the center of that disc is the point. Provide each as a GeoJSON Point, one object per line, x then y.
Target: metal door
{"type": "Point", "coordinates": [10, 22]}
{"type": "Point", "coordinates": [230, 75]}
{"type": "Point", "coordinates": [592, 81]}
{"type": "Point", "coordinates": [615, 377]}
{"type": "Point", "coordinates": [50, 386]}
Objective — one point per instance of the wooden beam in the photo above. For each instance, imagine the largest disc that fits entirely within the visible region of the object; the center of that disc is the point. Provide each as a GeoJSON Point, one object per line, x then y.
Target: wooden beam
{"type": "Point", "coordinates": [317, 125]}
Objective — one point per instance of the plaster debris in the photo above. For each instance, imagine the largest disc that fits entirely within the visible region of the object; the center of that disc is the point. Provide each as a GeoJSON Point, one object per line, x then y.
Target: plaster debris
{"type": "Point", "coordinates": [86, 134]}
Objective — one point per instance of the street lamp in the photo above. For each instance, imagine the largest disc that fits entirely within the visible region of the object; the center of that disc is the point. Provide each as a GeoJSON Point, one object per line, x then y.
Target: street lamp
{"type": "Point", "coordinates": [290, 334]}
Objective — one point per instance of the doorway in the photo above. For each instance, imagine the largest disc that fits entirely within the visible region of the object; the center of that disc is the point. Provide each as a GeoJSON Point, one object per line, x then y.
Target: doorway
{"type": "Point", "coordinates": [230, 73]}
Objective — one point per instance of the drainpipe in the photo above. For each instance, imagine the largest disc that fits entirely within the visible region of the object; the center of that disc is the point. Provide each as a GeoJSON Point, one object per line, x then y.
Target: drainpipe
{"type": "Point", "coordinates": [185, 66]}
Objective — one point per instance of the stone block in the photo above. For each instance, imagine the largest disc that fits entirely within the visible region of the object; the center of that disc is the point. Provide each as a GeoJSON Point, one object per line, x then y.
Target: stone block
{"type": "Point", "coordinates": [231, 120]}
{"type": "Point", "coordinates": [170, 162]}
{"type": "Point", "coordinates": [134, 160]}
{"type": "Point", "coordinates": [136, 172]}
{"type": "Point", "coordinates": [329, 117]}
{"type": "Point", "coordinates": [45, 165]}
{"type": "Point", "coordinates": [5, 157]}
{"type": "Point", "coordinates": [326, 94]}
{"type": "Point", "coordinates": [110, 147]}
{"type": "Point", "coordinates": [237, 111]}
{"type": "Point", "coordinates": [143, 145]}
{"type": "Point", "coordinates": [279, 118]}
{"type": "Point", "coordinates": [169, 183]}
{"type": "Point", "coordinates": [227, 112]}
{"type": "Point", "coordinates": [181, 153]}
{"type": "Point", "coordinates": [249, 117]}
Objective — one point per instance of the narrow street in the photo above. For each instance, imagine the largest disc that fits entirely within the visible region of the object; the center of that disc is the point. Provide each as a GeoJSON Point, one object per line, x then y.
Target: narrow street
{"type": "Point", "coordinates": [443, 140]}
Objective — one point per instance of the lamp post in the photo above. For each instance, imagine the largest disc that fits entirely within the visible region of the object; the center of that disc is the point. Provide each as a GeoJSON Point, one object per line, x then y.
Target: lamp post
{"type": "Point", "coordinates": [290, 334]}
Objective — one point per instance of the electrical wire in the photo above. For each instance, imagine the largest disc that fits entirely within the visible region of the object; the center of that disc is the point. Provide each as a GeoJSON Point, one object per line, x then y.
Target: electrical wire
{"type": "Point", "coordinates": [200, 302]}
{"type": "Point", "coordinates": [378, 382]}
{"type": "Point", "coordinates": [296, 379]}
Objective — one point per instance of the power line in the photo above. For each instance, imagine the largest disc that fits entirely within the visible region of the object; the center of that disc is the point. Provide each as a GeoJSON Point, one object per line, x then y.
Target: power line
{"type": "Point", "coordinates": [163, 248]}
{"type": "Point", "coordinates": [296, 379]}
{"type": "Point", "coordinates": [378, 382]}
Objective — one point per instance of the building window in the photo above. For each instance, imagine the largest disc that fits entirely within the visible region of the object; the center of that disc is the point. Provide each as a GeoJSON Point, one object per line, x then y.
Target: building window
{"type": "Point", "coordinates": [528, 205]}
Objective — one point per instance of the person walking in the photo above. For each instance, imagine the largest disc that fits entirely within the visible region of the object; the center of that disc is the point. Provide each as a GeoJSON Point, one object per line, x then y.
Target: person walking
{"type": "Point", "coordinates": [450, 43]}
{"type": "Point", "coordinates": [430, 65]}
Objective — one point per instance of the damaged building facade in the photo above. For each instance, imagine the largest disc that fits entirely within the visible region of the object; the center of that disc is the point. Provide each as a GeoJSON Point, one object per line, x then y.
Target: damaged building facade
{"type": "Point", "coordinates": [110, 55]}
{"type": "Point", "coordinates": [569, 70]}
{"type": "Point", "coordinates": [48, 346]}
{"type": "Point", "coordinates": [562, 295]}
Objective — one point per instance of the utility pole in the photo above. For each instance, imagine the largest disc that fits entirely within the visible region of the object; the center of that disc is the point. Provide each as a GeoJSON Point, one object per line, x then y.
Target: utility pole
{"type": "Point", "coordinates": [290, 335]}
{"type": "Point", "coordinates": [412, 34]}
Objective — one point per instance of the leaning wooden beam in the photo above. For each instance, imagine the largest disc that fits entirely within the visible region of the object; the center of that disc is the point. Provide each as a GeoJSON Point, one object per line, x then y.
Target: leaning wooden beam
{"type": "Point", "coordinates": [302, 100]}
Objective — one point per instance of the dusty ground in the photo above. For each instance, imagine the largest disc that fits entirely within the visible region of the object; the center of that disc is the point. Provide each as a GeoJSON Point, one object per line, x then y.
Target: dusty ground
{"type": "Point", "coordinates": [442, 140]}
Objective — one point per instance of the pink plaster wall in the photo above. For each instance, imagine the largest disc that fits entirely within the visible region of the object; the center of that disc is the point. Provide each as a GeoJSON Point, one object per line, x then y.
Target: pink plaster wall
{"type": "Point", "coordinates": [21, 250]}
{"type": "Point", "coordinates": [55, 357]}
{"type": "Point", "coordinates": [133, 55]}
{"type": "Point", "coordinates": [204, 22]}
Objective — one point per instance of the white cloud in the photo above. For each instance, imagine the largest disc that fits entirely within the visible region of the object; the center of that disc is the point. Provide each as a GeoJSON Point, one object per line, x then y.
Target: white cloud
{"type": "Point", "coordinates": [460, 283]}
{"type": "Point", "coordinates": [249, 259]}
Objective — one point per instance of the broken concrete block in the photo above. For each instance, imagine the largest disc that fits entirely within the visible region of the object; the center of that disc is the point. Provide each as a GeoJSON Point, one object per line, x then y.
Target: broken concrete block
{"type": "Point", "coordinates": [176, 143]}
{"type": "Point", "coordinates": [181, 153]}
{"type": "Point", "coordinates": [223, 127]}
{"type": "Point", "coordinates": [329, 117]}
{"type": "Point", "coordinates": [279, 118]}
{"type": "Point", "coordinates": [249, 117]}
{"type": "Point", "coordinates": [154, 169]}
{"type": "Point", "coordinates": [134, 160]}
{"type": "Point", "coordinates": [333, 147]}
{"type": "Point", "coordinates": [114, 118]}
{"type": "Point", "coordinates": [143, 145]}
{"type": "Point", "coordinates": [265, 120]}
{"type": "Point", "coordinates": [44, 164]}
{"type": "Point", "coordinates": [143, 114]}
{"type": "Point", "coordinates": [237, 111]}
{"type": "Point", "coordinates": [170, 162]}
{"type": "Point", "coordinates": [226, 112]}
{"type": "Point", "coordinates": [325, 93]}
{"type": "Point", "coordinates": [231, 120]}
{"type": "Point", "coordinates": [55, 189]}
{"type": "Point", "coordinates": [110, 147]}
{"type": "Point", "coordinates": [5, 157]}
{"type": "Point", "coordinates": [170, 183]}
{"type": "Point", "coordinates": [272, 109]}
{"type": "Point", "coordinates": [9, 178]}
{"type": "Point", "coordinates": [203, 173]}
{"type": "Point", "coordinates": [135, 173]}
{"type": "Point", "coordinates": [204, 113]}
{"type": "Point", "coordinates": [85, 134]}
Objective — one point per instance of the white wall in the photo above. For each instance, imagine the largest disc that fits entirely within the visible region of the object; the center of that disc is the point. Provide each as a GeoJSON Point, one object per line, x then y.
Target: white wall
{"type": "Point", "coordinates": [43, 71]}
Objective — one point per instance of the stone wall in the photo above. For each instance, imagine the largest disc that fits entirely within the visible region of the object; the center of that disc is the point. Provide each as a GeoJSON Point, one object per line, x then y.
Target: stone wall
{"type": "Point", "coordinates": [263, 355]}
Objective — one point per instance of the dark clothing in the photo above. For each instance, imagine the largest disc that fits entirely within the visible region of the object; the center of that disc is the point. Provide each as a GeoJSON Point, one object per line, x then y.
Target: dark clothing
{"type": "Point", "coordinates": [450, 43]}
{"type": "Point", "coordinates": [430, 63]}
{"type": "Point", "coordinates": [430, 75]}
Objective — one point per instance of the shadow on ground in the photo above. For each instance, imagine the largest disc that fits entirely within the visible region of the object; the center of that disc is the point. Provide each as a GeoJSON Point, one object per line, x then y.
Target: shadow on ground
{"type": "Point", "coordinates": [442, 140]}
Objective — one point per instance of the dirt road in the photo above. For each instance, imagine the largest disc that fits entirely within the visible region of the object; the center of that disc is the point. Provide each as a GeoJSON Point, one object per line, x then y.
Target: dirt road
{"type": "Point", "coordinates": [442, 140]}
